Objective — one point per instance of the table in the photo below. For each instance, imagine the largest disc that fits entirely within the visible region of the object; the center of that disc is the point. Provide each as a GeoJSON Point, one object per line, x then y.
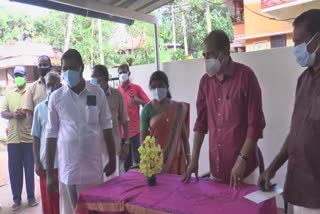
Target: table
{"type": "Point", "coordinates": [129, 193]}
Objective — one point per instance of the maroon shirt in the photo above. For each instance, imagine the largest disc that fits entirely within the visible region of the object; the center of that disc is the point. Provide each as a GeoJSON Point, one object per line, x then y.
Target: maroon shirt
{"type": "Point", "coordinates": [302, 187]}
{"type": "Point", "coordinates": [232, 111]}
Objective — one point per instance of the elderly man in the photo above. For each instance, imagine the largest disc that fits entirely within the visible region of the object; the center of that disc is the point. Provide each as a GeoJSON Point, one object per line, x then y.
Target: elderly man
{"type": "Point", "coordinates": [20, 155]}
{"type": "Point", "coordinates": [36, 92]}
{"type": "Point", "coordinates": [302, 146]}
{"type": "Point", "coordinates": [50, 201]}
{"type": "Point", "coordinates": [229, 106]}
{"type": "Point", "coordinates": [78, 113]}
{"type": "Point", "coordinates": [100, 76]}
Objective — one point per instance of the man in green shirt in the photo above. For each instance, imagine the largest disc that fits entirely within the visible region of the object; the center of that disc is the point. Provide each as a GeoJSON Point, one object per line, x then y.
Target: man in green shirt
{"type": "Point", "coordinates": [20, 153]}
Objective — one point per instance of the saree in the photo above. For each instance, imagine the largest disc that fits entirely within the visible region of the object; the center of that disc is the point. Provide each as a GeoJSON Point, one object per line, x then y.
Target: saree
{"type": "Point", "coordinates": [166, 127]}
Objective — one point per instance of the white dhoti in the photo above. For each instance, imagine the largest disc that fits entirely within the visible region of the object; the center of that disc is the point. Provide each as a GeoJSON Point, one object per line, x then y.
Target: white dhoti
{"type": "Point", "coordinates": [69, 195]}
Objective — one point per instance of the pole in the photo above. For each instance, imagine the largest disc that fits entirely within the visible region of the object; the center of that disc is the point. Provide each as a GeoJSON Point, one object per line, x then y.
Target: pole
{"type": "Point", "coordinates": [185, 39]}
{"type": "Point", "coordinates": [156, 38]}
{"type": "Point", "coordinates": [100, 41]}
{"type": "Point", "coordinates": [173, 30]}
{"type": "Point", "coordinates": [208, 16]}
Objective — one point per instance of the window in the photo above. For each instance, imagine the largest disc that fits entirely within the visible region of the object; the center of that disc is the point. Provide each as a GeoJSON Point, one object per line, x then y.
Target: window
{"type": "Point", "coordinates": [279, 41]}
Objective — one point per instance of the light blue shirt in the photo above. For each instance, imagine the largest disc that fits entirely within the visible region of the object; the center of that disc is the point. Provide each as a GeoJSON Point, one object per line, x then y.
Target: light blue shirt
{"type": "Point", "coordinates": [40, 118]}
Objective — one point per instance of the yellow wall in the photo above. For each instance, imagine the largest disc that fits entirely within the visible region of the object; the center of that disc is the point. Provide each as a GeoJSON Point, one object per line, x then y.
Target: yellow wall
{"type": "Point", "coordinates": [256, 25]}
{"type": "Point", "coordinates": [263, 43]}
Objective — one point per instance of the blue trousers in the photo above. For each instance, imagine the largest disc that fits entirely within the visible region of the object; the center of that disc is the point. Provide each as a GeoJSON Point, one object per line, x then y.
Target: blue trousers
{"type": "Point", "coordinates": [134, 155]}
{"type": "Point", "coordinates": [20, 156]}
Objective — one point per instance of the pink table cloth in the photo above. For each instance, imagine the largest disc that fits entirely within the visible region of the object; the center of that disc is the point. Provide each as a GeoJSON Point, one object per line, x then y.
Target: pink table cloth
{"type": "Point", "coordinates": [130, 193]}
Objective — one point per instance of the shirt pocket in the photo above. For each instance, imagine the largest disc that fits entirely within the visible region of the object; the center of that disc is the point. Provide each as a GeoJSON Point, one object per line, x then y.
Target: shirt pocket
{"type": "Point", "coordinates": [231, 110]}
{"type": "Point", "coordinates": [315, 109]}
{"type": "Point", "coordinates": [92, 115]}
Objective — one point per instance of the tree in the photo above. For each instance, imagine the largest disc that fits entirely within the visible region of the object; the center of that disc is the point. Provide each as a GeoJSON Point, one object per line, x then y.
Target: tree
{"type": "Point", "coordinates": [194, 11]}
{"type": "Point", "coordinates": [92, 37]}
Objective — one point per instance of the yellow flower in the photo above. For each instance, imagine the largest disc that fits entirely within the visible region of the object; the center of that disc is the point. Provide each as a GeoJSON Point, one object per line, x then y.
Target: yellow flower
{"type": "Point", "coordinates": [151, 156]}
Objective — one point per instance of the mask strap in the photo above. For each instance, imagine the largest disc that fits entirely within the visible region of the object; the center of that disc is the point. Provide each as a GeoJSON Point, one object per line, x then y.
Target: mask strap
{"type": "Point", "coordinates": [312, 38]}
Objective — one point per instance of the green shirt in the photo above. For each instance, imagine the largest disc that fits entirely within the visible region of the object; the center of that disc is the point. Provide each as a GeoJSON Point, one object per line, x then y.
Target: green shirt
{"type": "Point", "coordinates": [19, 130]}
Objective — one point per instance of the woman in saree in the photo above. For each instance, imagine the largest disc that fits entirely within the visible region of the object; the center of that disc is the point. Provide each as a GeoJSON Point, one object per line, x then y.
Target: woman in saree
{"type": "Point", "coordinates": [168, 122]}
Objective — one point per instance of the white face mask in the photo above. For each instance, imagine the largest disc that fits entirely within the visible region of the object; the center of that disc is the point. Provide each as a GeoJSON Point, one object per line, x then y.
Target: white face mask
{"type": "Point", "coordinates": [303, 57]}
{"type": "Point", "coordinates": [213, 66]}
{"type": "Point", "coordinates": [124, 77]}
{"type": "Point", "coordinates": [159, 93]}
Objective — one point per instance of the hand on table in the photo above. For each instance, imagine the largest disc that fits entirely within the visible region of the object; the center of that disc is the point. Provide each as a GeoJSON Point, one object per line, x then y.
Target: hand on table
{"type": "Point", "coordinates": [192, 168]}
{"type": "Point", "coordinates": [237, 173]}
{"type": "Point", "coordinates": [110, 167]}
{"type": "Point", "coordinates": [264, 180]}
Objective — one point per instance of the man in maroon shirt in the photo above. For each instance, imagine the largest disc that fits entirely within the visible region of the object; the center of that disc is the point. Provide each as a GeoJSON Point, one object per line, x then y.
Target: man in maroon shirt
{"type": "Point", "coordinates": [229, 106]}
{"type": "Point", "coordinates": [134, 97]}
{"type": "Point", "coordinates": [302, 145]}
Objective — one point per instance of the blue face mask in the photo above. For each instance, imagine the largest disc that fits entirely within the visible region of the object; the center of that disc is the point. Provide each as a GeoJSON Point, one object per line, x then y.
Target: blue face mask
{"type": "Point", "coordinates": [72, 78]}
{"type": "Point", "coordinates": [94, 81]}
{"type": "Point", "coordinates": [303, 57]}
{"type": "Point", "coordinates": [159, 93]}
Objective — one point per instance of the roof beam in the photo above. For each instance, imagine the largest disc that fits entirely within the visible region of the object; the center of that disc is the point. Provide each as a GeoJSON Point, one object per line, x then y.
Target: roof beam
{"type": "Point", "coordinates": [150, 7]}
{"type": "Point", "coordinates": [109, 9]}
{"type": "Point", "coordinates": [138, 4]}
{"type": "Point", "coordinates": [75, 10]}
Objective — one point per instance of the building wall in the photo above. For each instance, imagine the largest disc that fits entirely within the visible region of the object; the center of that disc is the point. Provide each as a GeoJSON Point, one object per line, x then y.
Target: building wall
{"type": "Point", "coordinates": [256, 25]}
{"type": "Point", "coordinates": [263, 43]}
{"type": "Point", "coordinates": [277, 73]}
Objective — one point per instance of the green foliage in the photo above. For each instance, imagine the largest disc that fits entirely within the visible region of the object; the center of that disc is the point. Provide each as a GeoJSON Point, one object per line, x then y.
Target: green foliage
{"type": "Point", "coordinates": [51, 29]}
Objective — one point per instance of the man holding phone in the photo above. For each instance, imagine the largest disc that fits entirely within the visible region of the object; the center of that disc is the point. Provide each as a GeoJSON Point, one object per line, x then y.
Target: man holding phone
{"type": "Point", "coordinates": [134, 97]}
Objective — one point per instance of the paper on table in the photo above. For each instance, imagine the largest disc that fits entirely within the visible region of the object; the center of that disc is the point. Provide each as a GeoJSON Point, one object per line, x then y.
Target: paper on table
{"type": "Point", "coordinates": [260, 196]}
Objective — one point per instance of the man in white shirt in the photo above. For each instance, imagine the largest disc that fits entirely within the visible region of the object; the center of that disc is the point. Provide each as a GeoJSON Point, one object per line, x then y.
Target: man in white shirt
{"type": "Point", "coordinates": [77, 114]}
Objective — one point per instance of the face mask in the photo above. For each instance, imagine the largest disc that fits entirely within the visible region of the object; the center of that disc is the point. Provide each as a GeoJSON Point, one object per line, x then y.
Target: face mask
{"type": "Point", "coordinates": [213, 66]}
{"type": "Point", "coordinates": [20, 81]}
{"type": "Point", "coordinates": [124, 77]}
{"type": "Point", "coordinates": [72, 78]}
{"type": "Point", "coordinates": [303, 57]}
{"type": "Point", "coordinates": [44, 70]}
{"type": "Point", "coordinates": [94, 81]}
{"type": "Point", "coordinates": [159, 93]}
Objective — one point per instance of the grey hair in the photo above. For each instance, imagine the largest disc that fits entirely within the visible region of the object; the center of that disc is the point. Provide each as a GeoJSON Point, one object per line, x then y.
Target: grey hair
{"type": "Point", "coordinates": [53, 74]}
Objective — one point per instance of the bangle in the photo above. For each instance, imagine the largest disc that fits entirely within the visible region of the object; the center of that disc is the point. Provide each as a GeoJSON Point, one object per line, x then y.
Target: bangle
{"type": "Point", "coordinates": [243, 157]}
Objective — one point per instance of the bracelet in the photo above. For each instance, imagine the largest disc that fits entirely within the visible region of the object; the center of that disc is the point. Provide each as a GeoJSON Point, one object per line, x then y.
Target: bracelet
{"type": "Point", "coordinates": [243, 157]}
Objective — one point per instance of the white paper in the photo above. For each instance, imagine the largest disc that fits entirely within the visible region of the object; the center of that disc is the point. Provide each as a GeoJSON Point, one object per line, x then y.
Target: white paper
{"type": "Point", "coordinates": [260, 196]}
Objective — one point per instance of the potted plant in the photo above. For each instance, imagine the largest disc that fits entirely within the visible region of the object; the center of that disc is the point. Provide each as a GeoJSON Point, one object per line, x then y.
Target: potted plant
{"type": "Point", "coordinates": [151, 159]}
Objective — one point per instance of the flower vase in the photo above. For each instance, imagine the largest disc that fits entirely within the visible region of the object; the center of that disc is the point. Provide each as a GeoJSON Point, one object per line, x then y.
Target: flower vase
{"type": "Point", "coordinates": [152, 181]}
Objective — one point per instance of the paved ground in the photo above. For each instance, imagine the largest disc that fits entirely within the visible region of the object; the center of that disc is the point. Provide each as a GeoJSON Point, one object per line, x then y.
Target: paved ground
{"type": "Point", "coordinates": [5, 190]}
